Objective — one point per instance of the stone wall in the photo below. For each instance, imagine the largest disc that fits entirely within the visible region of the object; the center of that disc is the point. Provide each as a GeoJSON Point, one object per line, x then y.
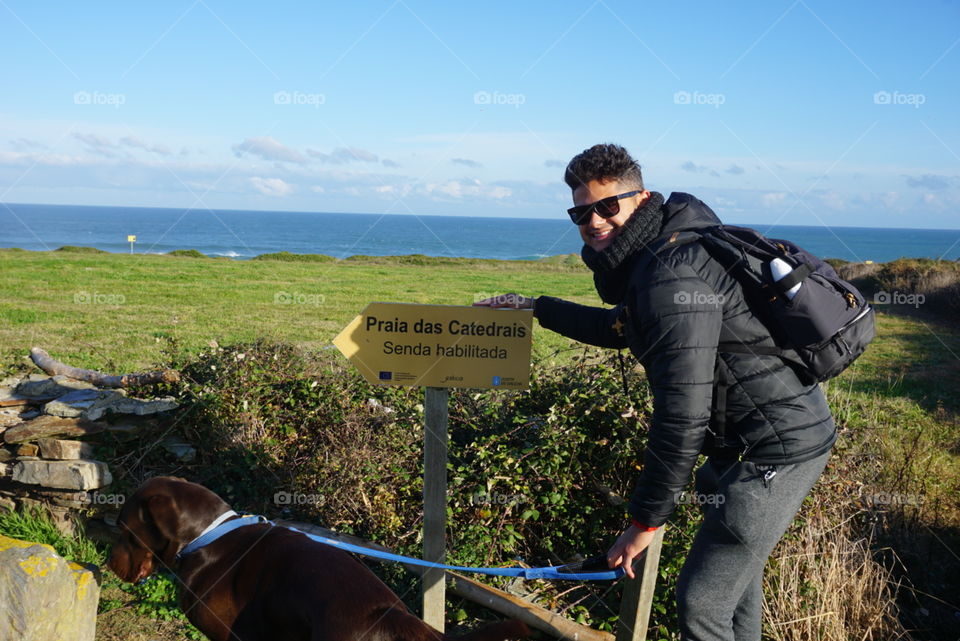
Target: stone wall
{"type": "Point", "coordinates": [48, 428]}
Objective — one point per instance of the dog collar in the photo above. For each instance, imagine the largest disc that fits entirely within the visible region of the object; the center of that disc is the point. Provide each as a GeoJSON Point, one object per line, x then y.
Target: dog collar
{"type": "Point", "coordinates": [218, 528]}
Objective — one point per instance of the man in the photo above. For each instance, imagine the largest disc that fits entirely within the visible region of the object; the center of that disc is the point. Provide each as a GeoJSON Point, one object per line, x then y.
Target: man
{"type": "Point", "coordinates": [673, 306]}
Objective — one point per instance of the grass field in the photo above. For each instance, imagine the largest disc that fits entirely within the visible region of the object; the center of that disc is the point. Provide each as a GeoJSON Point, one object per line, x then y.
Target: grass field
{"type": "Point", "coordinates": [116, 311]}
{"type": "Point", "coordinates": [898, 406]}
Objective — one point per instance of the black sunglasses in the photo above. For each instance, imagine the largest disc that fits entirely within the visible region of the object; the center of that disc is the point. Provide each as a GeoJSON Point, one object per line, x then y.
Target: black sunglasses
{"type": "Point", "coordinates": [605, 208]}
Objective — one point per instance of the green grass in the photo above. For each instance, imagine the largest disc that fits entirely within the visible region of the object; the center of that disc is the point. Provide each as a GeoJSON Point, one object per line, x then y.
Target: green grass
{"type": "Point", "coordinates": [35, 525]}
{"type": "Point", "coordinates": [118, 311]}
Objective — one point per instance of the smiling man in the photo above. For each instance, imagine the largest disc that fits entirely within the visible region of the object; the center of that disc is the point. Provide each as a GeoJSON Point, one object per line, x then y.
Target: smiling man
{"type": "Point", "coordinates": [767, 431]}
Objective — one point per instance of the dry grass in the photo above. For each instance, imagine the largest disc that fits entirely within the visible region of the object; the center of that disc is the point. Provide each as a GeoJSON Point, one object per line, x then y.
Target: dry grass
{"type": "Point", "coordinates": [823, 583]}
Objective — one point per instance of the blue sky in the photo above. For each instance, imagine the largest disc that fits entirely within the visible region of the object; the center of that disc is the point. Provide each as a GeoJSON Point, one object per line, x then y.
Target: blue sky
{"type": "Point", "coordinates": [802, 112]}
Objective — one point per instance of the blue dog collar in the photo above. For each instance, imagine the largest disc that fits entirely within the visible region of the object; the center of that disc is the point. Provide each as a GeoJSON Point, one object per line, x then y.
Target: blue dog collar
{"type": "Point", "coordinates": [217, 529]}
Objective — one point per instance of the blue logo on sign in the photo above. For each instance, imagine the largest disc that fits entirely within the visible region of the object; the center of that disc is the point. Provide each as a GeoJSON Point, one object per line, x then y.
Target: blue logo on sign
{"type": "Point", "coordinates": [496, 380]}
{"type": "Point", "coordinates": [386, 376]}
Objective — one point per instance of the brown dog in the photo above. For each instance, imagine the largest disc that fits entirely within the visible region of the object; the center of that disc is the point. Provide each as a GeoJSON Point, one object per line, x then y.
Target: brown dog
{"type": "Point", "coordinates": [264, 583]}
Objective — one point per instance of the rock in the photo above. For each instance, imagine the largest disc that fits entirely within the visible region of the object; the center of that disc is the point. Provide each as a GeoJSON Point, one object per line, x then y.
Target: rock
{"type": "Point", "coordinates": [51, 448]}
{"type": "Point", "coordinates": [26, 416]}
{"type": "Point", "coordinates": [50, 387]}
{"type": "Point", "coordinates": [7, 504]}
{"type": "Point", "coordinates": [44, 597]}
{"type": "Point", "coordinates": [10, 381]}
{"type": "Point", "coordinates": [6, 469]}
{"type": "Point", "coordinates": [16, 400]}
{"type": "Point", "coordinates": [9, 417]}
{"type": "Point", "coordinates": [27, 449]}
{"type": "Point", "coordinates": [46, 426]}
{"type": "Point", "coordinates": [124, 405]}
{"type": "Point", "coordinates": [80, 402]}
{"type": "Point", "coordinates": [5, 454]}
{"type": "Point", "coordinates": [65, 475]}
{"type": "Point", "coordinates": [184, 452]}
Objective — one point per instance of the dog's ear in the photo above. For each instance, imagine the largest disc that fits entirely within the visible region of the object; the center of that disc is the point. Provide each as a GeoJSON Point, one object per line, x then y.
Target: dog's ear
{"type": "Point", "coordinates": [161, 510]}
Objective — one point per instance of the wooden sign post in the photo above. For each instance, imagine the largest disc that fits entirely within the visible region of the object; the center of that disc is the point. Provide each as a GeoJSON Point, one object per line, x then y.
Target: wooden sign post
{"type": "Point", "coordinates": [437, 347]}
{"type": "Point", "coordinates": [443, 346]}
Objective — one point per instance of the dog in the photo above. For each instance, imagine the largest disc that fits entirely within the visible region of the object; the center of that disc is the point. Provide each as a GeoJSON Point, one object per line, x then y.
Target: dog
{"type": "Point", "coordinates": [261, 582]}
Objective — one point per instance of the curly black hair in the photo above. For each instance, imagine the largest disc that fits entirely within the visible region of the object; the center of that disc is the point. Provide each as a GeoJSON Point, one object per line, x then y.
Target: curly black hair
{"type": "Point", "coordinates": [604, 163]}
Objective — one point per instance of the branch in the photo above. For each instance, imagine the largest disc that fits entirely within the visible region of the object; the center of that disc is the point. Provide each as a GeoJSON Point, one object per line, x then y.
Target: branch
{"type": "Point", "coordinates": [51, 366]}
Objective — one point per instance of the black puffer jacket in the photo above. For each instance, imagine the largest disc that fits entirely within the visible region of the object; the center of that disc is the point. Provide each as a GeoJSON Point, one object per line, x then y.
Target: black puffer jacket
{"type": "Point", "coordinates": [679, 305]}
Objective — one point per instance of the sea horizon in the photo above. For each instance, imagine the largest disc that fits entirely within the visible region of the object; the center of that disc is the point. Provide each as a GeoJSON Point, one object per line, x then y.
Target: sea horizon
{"type": "Point", "coordinates": [246, 233]}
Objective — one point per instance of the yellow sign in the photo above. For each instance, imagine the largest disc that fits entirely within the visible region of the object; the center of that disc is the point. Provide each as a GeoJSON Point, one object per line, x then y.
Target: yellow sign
{"type": "Point", "coordinates": [131, 239]}
{"type": "Point", "coordinates": [440, 345]}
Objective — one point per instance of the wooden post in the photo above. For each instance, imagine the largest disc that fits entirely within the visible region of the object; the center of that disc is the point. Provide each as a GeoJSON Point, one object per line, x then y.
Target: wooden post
{"type": "Point", "coordinates": [435, 503]}
{"type": "Point", "coordinates": [638, 595]}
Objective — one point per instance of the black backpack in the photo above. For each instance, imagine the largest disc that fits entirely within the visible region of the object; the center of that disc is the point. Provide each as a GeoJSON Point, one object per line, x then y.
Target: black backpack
{"type": "Point", "coordinates": [819, 328]}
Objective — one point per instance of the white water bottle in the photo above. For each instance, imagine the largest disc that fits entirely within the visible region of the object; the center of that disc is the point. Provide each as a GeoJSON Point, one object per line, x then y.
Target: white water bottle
{"type": "Point", "coordinates": [780, 268]}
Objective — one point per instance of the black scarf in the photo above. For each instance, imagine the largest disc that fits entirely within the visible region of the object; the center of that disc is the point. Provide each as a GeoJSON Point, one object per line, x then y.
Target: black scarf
{"type": "Point", "coordinates": [612, 266]}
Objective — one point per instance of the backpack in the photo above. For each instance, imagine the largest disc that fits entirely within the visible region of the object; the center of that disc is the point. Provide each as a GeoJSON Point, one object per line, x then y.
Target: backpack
{"type": "Point", "coordinates": [819, 322]}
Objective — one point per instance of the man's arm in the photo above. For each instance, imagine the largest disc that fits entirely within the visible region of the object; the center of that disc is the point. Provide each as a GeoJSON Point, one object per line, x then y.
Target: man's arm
{"type": "Point", "coordinates": [679, 330]}
{"type": "Point", "coordinates": [591, 325]}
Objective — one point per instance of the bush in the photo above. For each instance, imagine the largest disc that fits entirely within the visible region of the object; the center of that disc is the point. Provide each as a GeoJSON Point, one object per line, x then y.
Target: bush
{"type": "Point", "coordinates": [187, 253]}
{"type": "Point", "coordinates": [289, 257]}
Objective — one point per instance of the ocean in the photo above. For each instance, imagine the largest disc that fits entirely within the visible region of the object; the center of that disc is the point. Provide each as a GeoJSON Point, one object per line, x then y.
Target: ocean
{"type": "Point", "coordinates": [245, 234]}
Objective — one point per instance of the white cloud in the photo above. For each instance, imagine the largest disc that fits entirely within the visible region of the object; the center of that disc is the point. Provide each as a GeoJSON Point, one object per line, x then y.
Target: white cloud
{"type": "Point", "coordinates": [772, 199]}
{"type": "Point", "coordinates": [271, 186]}
{"type": "Point", "coordinates": [268, 148]}
{"type": "Point", "coordinates": [133, 141]}
{"type": "Point", "coordinates": [342, 155]}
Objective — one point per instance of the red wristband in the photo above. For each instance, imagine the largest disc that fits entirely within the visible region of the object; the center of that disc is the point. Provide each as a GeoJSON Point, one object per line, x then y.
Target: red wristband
{"type": "Point", "coordinates": [643, 528]}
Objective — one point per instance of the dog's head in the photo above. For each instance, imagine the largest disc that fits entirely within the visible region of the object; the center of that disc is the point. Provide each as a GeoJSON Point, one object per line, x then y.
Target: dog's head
{"type": "Point", "coordinates": [160, 518]}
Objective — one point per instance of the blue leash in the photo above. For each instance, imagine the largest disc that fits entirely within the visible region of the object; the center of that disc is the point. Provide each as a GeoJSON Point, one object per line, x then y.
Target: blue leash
{"type": "Point", "coordinates": [593, 569]}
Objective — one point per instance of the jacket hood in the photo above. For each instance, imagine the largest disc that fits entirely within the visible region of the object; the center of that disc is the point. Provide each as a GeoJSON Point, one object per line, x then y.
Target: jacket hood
{"type": "Point", "coordinates": [683, 211]}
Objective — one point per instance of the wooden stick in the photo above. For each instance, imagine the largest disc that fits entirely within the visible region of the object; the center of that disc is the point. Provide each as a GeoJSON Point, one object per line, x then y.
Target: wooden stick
{"type": "Point", "coordinates": [51, 366]}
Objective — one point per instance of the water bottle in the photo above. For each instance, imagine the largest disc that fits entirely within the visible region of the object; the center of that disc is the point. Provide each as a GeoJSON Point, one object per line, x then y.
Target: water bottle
{"type": "Point", "coordinates": [780, 268]}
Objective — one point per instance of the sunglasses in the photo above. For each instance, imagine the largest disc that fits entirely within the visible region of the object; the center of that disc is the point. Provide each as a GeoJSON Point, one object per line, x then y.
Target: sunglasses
{"type": "Point", "coordinates": [605, 208]}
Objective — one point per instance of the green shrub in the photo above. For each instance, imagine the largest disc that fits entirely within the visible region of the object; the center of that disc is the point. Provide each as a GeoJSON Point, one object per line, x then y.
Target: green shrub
{"type": "Point", "coordinates": [187, 253]}
{"type": "Point", "coordinates": [526, 470]}
{"type": "Point", "coordinates": [296, 258]}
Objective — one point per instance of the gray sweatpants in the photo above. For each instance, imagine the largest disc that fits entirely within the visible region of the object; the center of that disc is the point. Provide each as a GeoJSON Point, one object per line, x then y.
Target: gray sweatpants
{"type": "Point", "coordinates": [747, 510]}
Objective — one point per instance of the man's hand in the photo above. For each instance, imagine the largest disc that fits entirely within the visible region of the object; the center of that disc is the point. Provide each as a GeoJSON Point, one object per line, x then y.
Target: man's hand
{"type": "Point", "coordinates": [628, 547]}
{"type": "Point", "coordinates": [507, 301]}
